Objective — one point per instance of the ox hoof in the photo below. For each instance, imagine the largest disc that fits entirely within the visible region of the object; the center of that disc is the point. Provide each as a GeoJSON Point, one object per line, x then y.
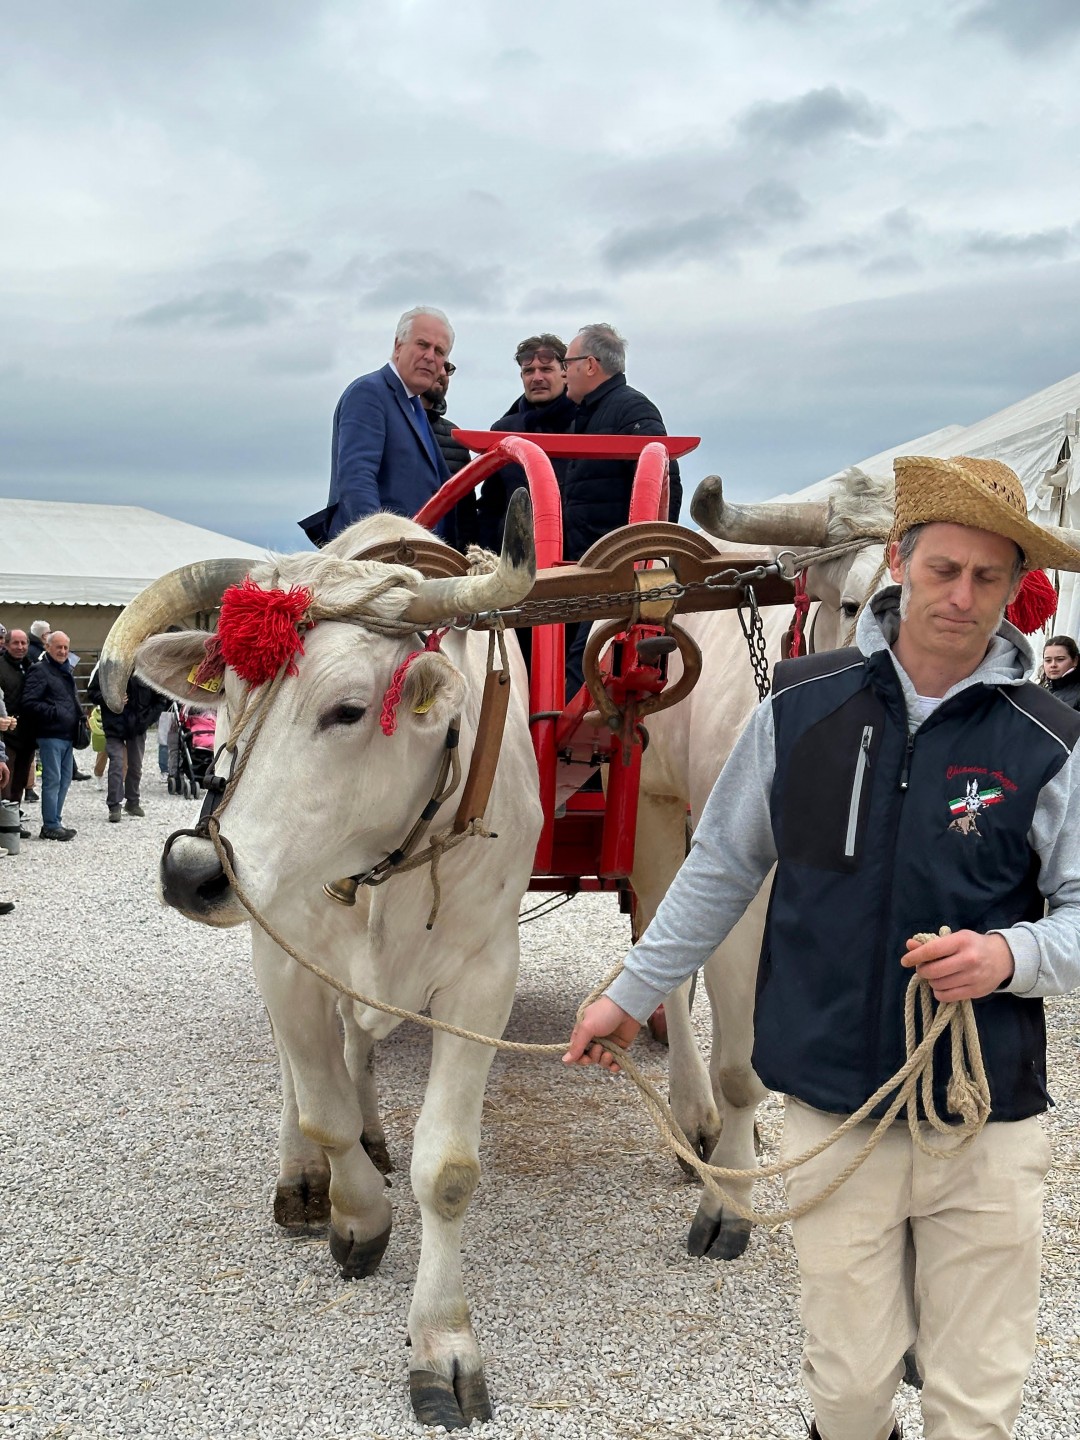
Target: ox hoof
{"type": "Point", "coordinates": [453, 1405]}
{"type": "Point", "coordinates": [703, 1146]}
{"type": "Point", "coordinates": [725, 1238]}
{"type": "Point", "coordinates": [303, 1204]}
{"type": "Point", "coordinates": [358, 1258]}
{"type": "Point", "coordinates": [377, 1153]}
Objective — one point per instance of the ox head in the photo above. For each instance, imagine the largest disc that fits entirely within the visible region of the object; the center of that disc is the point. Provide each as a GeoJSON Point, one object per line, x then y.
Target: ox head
{"type": "Point", "coordinates": [324, 792]}
{"type": "Point", "coordinates": [859, 507]}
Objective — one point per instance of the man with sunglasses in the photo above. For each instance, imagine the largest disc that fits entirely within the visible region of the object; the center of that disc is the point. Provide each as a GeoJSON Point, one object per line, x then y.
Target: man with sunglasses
{"type": "Point", "coordinates": [543, 407]}
{"type": "Point", "coordinates": [459, 527]}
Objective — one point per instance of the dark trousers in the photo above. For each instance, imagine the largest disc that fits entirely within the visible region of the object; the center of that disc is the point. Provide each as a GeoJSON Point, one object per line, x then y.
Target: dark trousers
{"type": "Point", "coordinates": [20, 763]}
{"type": "Point", "coordinates": [124, 781]}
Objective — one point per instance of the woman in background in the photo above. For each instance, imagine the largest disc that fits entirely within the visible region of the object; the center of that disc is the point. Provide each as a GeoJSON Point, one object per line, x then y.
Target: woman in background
{"type": "Point", "coordinates": [1061, 675]}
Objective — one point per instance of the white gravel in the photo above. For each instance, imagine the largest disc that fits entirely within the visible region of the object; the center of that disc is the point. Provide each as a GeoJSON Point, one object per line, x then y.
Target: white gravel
{"type": "Point", "coordinates": [145, 1291]}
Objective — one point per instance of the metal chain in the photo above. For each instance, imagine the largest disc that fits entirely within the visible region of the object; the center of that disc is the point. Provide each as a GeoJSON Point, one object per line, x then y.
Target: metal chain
{"type": "Point", "coordinates": [755, 641]}
{"type": "Point", "coordinates": [581, 606]}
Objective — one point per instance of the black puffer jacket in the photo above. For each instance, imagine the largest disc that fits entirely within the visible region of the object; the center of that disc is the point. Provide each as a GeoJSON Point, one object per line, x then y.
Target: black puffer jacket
{"type": "Point", "coordinates": [141, 711]}
{"type": "Point", "coordinates": [459, 528]}
{"type": "Point", "coordinates": [596, 493]}
{"type": "Point", "coordinates": [555, 418]}
{"type": "Point", "coordinates": [13, 675]}
{"type": "Point", "coordinates": [50, 704]}
{"type": "Point", "coordinates": [1066, 688]}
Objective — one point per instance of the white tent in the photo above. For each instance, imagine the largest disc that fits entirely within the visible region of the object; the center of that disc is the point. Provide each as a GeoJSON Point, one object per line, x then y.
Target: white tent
{"type": "Point", "coordinates": [55, 553]}
{"type": "Point", "coordinates": [1037, 437]}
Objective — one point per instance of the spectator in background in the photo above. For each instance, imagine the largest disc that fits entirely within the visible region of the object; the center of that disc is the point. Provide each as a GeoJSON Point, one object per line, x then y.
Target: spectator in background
{"type": "Point", "coordinates": [50, 707]}
{"type": "Point", "coordinates": [543, 408]}
{"type": "Point", "coordinates": [1061, 675]}
{"type": "Point", "coordinates": [459, 528]}
{"type": "Point", "coordinates": [7, 725]}
{"type": "Point", "coordinates": [125, 743]}
{"type": "Point", "coordinates": [39, 629]}
{"type": "Point", "coordinates": [14, 667]}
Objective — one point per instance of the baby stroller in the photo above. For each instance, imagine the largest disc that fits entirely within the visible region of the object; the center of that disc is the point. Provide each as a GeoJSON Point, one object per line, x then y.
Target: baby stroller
{"type": "Point", "coordinates": [194, 752]}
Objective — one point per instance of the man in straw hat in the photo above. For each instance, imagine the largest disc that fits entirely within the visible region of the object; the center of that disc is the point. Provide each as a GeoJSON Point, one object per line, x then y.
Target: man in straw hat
{"type": "Point", "coordinates": [916, 781]}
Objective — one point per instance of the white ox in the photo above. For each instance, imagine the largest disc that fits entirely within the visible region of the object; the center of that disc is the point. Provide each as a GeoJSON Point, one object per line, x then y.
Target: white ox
{"type": "Point", "coordinates": [689, 743]}
{"type": "Point", "coordinates": [326, 794]}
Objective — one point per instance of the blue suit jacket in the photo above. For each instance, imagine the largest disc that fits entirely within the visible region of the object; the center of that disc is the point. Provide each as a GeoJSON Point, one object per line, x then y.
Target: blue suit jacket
{"type": "Point", "coordinates": [378, 459]}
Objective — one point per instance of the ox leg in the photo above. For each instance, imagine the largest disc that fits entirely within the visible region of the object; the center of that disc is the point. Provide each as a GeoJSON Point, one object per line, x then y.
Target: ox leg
{"type": "Point", "coordinates": [660, 850]}
{"type": "Point", "coordinates": [446, 1376]}
{"type": "Point", "coordinates": [360, 1058]}
{"type": "Point", "coordinates": [328, 1111]}
{"type": "Point", "coordinates": [730, 976]}
{"type": "Point", "coordinates": [302, 1197]}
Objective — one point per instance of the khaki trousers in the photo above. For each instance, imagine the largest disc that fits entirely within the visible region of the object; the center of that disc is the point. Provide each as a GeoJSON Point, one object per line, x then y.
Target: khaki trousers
{"type": "Point", "coordinates": [941, 1255]}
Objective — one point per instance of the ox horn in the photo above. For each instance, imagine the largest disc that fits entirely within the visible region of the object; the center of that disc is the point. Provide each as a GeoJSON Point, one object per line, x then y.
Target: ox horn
{"type": "Point", "coordinates": [181, 592]}
{"type": "Point", "coordinates": [776, 522]}
{"type": "Point", "coordinates": [1064, 536]}
{"type": "Point", "coordinates": [505, 586]}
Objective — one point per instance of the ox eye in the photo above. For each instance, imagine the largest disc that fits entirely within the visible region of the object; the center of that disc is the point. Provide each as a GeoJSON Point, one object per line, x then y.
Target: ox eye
{"type": "Point", "coordinates": [850, 608]}
{"type": "Point", "coordinates": [342, 715]}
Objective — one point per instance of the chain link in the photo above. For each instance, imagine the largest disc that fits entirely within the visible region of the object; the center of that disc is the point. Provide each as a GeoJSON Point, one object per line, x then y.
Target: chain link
{"type": "Point", "coordinates": [577, 607]}
{"type": "Point", "coordinates": [750, 620]}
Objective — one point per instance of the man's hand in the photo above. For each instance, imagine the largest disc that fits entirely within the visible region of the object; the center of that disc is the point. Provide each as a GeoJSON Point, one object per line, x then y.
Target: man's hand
{"type": "Point", "coordinates": [5, 773]}
{"type": "Point", "coordinates": [963, 965]}
{"type": "Point", "coordinates": [602, 1020]}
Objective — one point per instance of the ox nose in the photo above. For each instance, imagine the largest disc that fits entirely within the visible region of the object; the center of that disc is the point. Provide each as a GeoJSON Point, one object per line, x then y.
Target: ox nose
{"type": "Point", "coordinates": [192, 879]}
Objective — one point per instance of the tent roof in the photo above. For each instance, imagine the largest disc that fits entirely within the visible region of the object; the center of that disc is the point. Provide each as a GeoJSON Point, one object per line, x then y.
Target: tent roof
{"type": "Point", "coordinates": [56, 553]}
{"type": "Point", "coordinates": [1027, 436]}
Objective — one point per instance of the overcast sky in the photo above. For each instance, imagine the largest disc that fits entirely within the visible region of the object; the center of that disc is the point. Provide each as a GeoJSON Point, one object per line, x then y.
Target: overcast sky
{"type": "Point", "coordinates": [824, 226]}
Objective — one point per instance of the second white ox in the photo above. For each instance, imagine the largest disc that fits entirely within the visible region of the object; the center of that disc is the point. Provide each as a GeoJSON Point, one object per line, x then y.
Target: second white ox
{"type": "Point", "coordinates": [325, 793]}
{"type": "Point", "coordinates": [716, 1103]}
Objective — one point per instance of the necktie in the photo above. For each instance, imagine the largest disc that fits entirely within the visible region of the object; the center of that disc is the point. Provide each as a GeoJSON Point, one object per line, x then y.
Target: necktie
{"type": "Point", "coordinates": [425, 429]}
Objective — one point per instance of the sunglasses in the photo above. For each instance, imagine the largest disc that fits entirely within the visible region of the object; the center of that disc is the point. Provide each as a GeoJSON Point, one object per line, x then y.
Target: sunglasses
{"type": "Point", "coordinates": [545, 356]}
{"type": "Point", "coordinates": [448, 368]}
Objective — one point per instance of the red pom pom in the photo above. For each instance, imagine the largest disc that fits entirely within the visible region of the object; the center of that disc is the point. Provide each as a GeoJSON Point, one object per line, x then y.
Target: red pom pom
{"type": "Point", "coordinates": [257, 632]}
{"type": "Point", "coordinates": [1035, 602]}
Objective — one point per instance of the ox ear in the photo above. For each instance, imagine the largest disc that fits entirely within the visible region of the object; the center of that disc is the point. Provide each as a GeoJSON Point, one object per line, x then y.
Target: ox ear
{"type": "Point", "coordinates": [433, 694]}
{"type": "Point", "coordinates": [168, 664]}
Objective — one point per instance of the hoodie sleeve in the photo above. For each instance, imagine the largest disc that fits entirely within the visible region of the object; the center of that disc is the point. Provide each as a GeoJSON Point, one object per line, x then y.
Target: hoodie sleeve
{"type": "Point", "coordinates": [732, 853]}
{"type": "Point", "coordinates": [1046, 952]}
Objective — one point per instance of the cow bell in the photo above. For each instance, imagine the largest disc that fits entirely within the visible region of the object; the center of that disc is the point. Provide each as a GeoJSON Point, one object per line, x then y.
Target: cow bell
{"type": "Point", "coordinates": [343, 891]}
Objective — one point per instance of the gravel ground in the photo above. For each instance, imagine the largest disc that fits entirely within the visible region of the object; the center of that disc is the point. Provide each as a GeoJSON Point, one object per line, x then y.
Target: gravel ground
{"type": "Point", "coordinates": [145, 1290]}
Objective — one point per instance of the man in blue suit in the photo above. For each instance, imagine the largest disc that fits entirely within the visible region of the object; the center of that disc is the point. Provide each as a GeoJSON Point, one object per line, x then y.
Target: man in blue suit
{"type": "Point", "coordinates": [383, 453]}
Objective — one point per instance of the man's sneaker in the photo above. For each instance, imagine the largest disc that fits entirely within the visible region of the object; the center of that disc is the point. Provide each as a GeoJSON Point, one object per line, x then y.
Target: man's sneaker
{"type": "Point", "coordinates": [69, 832]}
{"type": "Point", "coordinates": [77, 774]}
{"type": "Point", "coordinates": [6, 907]}
{"type": "Point", "coordinates": [114, 814]}
{"type": "Point", "coordinates": [134, 808]}
{"type": "Point", "coordinates": [54, 832]}
{"type": "Point", "coordinates": [24, 834]}
{"type": "Point", "coordinates": [31, 796]}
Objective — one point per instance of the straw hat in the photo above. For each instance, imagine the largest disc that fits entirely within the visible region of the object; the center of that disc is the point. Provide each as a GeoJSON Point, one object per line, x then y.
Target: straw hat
{"type": "Point", "coordinates": [983, 494]}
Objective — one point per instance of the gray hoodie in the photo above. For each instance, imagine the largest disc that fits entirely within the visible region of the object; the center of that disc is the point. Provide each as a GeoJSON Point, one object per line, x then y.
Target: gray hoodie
{"type": "Point", "coordinates": [734, 850]}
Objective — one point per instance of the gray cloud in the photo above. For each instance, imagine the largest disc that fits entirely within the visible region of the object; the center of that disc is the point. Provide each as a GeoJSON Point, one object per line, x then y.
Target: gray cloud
{"type": "Point", "coordinates": [1026, 26]}
{"type": "Point", "coordinates": [215, 310]}
{"type": "Point", "coordinates": [1053, 244]}
{"type": "Point", "coordinates": [828, 252]}
{"type": "Point", "coordinates": [893, 262]}
{"type": "Point", "coordinates": [715, 234]}
{"type": "Point", "coordinates": [810, 119]}
{"type": "Point", "coordinates": [557, 297]}
{"type": "Point", "coordinates": [420, 277]}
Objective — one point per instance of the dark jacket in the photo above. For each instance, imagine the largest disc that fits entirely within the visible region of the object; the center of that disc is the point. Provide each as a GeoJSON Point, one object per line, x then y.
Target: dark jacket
{"type": "Point", "coordinates": [1066, 689]}
{"type": "Point", "coordinates": [379, 456]}
{"type": "Point", "coordinates": [555, 418]}
{"type": "Point", "coordinates": [34, 649]}
{"type": "Point", "coordinates": [596, 493]}
{"type": "Point", "coordinates": [459, 528]}
{"type": "Point", "coordinates": [50, 703]}
{"type": "Point", "coordinates": [880, 836]}
{"type": "Point", "coordinates": [141, 711]}
{"type": "Point", "coordinates": [13, 674]}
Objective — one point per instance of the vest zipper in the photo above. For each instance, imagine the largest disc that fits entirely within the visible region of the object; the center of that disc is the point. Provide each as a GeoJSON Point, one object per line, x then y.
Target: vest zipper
{"type": "Point", "coordinates": [862, 764]}
{"type": "Point", "coordinates": [905, 771]}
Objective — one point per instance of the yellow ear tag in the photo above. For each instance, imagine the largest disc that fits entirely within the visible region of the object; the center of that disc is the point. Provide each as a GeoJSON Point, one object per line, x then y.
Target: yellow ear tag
{"type": "Point", "coordinates": [213, 684]}
{"type": "Point", "coordinates": [424, 706]}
